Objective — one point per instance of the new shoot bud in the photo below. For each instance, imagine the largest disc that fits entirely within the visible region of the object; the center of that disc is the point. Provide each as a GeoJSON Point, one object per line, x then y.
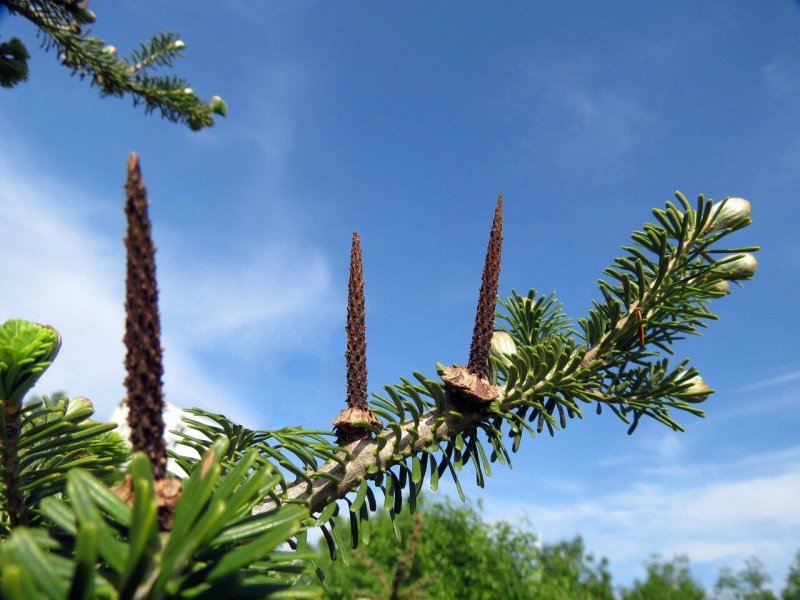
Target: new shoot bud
{"type": "Point", "coordinates": [697, 390]}
{"type": "Point", "coordinates": [502, 344]}
{"type": "Point", "coordinates": [743, 267]}
{"type": "Point", "coordinates": [728, 213]}
{"type": "Point", "coordinates": [219, 106]}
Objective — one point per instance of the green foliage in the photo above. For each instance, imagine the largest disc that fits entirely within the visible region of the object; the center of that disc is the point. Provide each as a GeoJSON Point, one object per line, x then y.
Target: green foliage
{"type": "Point", "coordinates": [58, 435]}
{"type": "Point", "coordinates": [13, 63]}
{"type": "Point", "coordinates": [792, 589]}
{"type": "Point", "coordinates": [568, 571]}
{"type": "Point", "coordinates": [26, 350]}
{"type": "Point", "coordinates": [747, 584]}
{"type": "Point", "coordinates": [250, 491]}
{"type": "Point", "coordinates": [102, 547]}
{"type": "Point", "coordinates": [446, 552]}
{"type": "Point", "coordinates": [63, 27]}
{"type": "Point", "coordinates": [666, 581]}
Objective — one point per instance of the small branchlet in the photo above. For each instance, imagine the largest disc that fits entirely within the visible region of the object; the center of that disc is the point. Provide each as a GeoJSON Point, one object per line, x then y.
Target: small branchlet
{"type": "Point", "coordinates": [61, 28]}
{"type": "Point", "coordinates": [356, 421]}
{"type": "Point", "coordinates": [471, 383]}
{"type": "Point", "coordinates": [26, 350]}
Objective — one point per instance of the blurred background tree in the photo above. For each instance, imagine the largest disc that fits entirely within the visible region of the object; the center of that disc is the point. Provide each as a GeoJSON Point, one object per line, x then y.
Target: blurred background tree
{"type": "Point", "coordinates": [446, 551]}
{"type": "Point", "coordinates": [666, 580]}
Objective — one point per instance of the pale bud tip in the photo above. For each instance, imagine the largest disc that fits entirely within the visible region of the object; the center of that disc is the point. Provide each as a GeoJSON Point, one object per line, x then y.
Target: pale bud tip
{"type": "Point", "coordinates": [218, 106]}
{"type": "Point", "coordinates": [79, 403]}
{"type": "Point", "coordinates": [502, 344]}
{"type": "Point", "coordinates": [729, 212]}
{"type": "Point", "coordinates": [696, 391]}
{"type": "Point", "coordinates": [133, 161]}
{"type": "Point", "coordinates": [743, 267]}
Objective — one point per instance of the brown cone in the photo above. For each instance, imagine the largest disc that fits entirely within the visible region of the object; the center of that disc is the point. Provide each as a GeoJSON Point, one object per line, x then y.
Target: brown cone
{"type": "Point", "coordinates": [350, 422]}
{"type": "Point", "coordinates": [356, 331]}
{"type": "Point", "coordinates": [470, 385]}
{"type": "Point", "coordinates": [487, 299]}
{"type": "Point", "coordinates": [143, 329]}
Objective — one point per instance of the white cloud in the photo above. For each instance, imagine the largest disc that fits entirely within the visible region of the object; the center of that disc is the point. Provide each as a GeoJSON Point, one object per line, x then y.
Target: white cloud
{"type": "Point", "coordinates": [781, 78]}
{"type": "Point", "coordinates": [54, 271]}
{"type": "Point", "coordinates": [60, 268]}
{"type": "Point", "coordinates": [772, 382]}
{"type": "Point", "coordinates": [275, 300]}
{"type": "Point", "coordinates": [718, 514]}
{"type": "Point", "coordinates": [587, 122]}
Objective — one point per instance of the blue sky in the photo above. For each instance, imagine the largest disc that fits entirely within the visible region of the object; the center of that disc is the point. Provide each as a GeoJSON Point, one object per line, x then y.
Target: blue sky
{"type": "Point", "coordinates": [404, 122]}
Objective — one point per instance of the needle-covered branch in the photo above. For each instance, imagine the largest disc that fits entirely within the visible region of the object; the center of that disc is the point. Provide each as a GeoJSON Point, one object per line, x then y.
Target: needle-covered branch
{"type": "Point", "coordinates": [240, 501]}
{"type": "Point", "coordinates": [547, 372]}
{"type": "Point", "coordinates": [63, 26]}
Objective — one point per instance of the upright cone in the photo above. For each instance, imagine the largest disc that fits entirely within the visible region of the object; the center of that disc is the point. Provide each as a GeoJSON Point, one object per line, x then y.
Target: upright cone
{"type": "Point", "coordinates": [356, 331]}
{"type": "Point", "coordinates": [471, 383]}
{"type": "Point", "coordinates": [354, 421]}
{"type": "Point", "coordinates": [143, 362]}
{"type": "Point", "coordinates": [487, 299]}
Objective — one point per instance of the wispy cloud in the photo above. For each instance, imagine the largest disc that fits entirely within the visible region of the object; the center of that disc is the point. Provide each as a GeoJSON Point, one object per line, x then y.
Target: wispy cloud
{"type": "Point", "coordinates": [586, 120]}
{"type": "Point", "coordinates": [781, 78]}
{"type": "Point", "coordinates": [60, 268]}
{"type": "Point", "coordinates": [721, 515]}
{"type": "Point", "coordinates": [772, 382]}
{"type": "Point", "coordinates": [769, 395]}
{"type": "Point", "coordinates": [274, 300]}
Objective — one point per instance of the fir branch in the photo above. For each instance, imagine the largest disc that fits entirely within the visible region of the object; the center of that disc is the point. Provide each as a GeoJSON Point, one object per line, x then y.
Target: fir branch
{"type": "Point", "coordinates": [547, 378]}
{"type": "Point", "coordinates": [61, 26]}
{"type": "Point", "coordinates": [13, 63]}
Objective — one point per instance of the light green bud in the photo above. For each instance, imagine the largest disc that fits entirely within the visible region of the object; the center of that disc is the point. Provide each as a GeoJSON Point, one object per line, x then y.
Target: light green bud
{"type": "Point", "coordinates": [721, 285]}
{"type": "Point", "coordinates": [697, 390]}
{"type": "Point", "coordinates": [742, 267]}
{"type": "Point", "coordinates": [726, 214]}
{"type": "Point", "coordinates": [79, 403]}
{"type": "Point", "coordinates": [502, 344]}
{"type": "Point", "coordinates": [219, 106]}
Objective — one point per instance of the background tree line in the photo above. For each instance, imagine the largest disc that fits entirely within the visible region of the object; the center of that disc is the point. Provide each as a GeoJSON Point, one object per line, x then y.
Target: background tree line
{"type": "Point", "coordinates": [446, 550]}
